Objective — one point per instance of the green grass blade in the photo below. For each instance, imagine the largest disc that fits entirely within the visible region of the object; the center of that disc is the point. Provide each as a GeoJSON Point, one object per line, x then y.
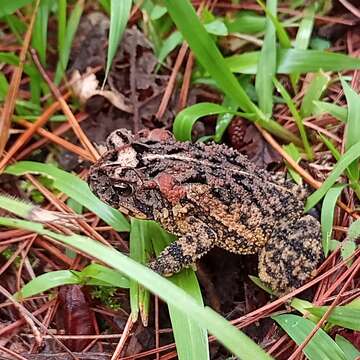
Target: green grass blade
{"type": "Point", "coordinates": [139, 251]}
{"type": "Point", "coordinates": [104, 275]}
{"type": "Point", "coordinates": [353, 124]}
{"type": "Point", "coordinates": [267, 63]}
{"type": "Point", "coordinates": [313, 93]}
{"type": "Point", "coordinates": [351, 352]}
{"type": "Point", "coordinates": [48, 281]}
{"type": "Point", "coordinates": [236, 341]}
{"type": "Point", "coordinates": [93, 274]}
{"type": "Point", "coordinates": [346, 159]}
{"type": "Point", "coordinates": [343, 316]}
{"type": "Point", "coordinates": [191, 339]}
{"type": "Point", "coordinates": [119, 14]}
{"type": "Point", "coordinates": [61, 18]}
{"type": "Point", "coordinates": [169, 45]}
{"type": "Point", "coordinates": [321, 107]}
{"type": "Point", "coordinates": [75, 188]}
{"type": "Point", "coordinates": [293, 151]}
{"type": "Point", "coordinates": [39, 35]}
{"type": "Point", "coordinates": [354, 231]}
{"type": "Point", "coordinates": [216, 27]}
{"type": "Point", "coordinates": [327, 215]}
{"type": "Point", "coordinates": [336, 154]}
{"type": "Point", "coordinates": [64, 52]}
{"type": "Point", "coordinates": [246, 22]}
{"type": "Point", "coordinates": [295, 60]}
{"type": "Point", "coordinates": [321, 346]}
{"type": "Point", "coordinates": [9, 7]}
{"type": "Point", "coordinates": [303, 36]}
{"type": "Point", "coordinates": [16, 206]}
{"type": "Point", "coordinates": [224, 120]}
{"type": "Point", "coordinates": [297, 117]}
{"type": "Point", "coordinates": [186, 118]}
{"type": "Point", "coordinates": [282, 35]}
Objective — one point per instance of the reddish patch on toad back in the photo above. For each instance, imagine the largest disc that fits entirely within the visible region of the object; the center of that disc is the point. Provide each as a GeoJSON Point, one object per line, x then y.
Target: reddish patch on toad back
{"type": "Point", "coordinates": [160, 135]}
{"type": "Point", "coordinates": [169, 188]}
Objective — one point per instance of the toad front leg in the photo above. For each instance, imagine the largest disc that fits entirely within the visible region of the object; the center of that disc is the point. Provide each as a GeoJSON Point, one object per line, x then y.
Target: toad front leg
{"type": "Point", "coordinates": [186, 250]}
{"type": "Point", "coordinates": [291, 255]}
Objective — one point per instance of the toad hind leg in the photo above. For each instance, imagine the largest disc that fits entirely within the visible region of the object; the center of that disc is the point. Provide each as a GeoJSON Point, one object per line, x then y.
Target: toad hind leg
{"type": "Point", "coordinates": [186, 250]}
{"type": "Point", "coordinates": [291, 255]}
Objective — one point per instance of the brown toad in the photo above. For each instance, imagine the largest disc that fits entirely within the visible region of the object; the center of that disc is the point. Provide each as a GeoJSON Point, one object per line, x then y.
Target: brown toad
{"type": "Point", "coordinates": [209, 195]}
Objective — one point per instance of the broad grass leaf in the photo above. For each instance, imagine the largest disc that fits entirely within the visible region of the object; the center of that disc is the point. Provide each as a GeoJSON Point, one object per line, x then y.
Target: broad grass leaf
{"type": "Point", "coordinates": [191, 339]}
{"type": "Point", "coordinates": [351, 352]}
{"type": "Point", "coordinates": [343, 316]}
{"type": "Point", "coordinates": [236, 341]}
{"type": "Point", "coordinates": [9, 7]}
{"type": "Point", "coordinates": [75, 188]}
{"type": "Point", "coordinates": [295, 60]}
{"type": "Point", "coordinates": [321, 346]}
{"type": "Point", "coordinates": [322, 107]}
{"type": "Point", "coordinates": [246, 22]}
{"type": "Point", "coordinates": [93, 274]}
{"type": "Point", "coordinates": [313, 93]}
{"type": "Point", "coordinates": [108, 277]}
{"type": "Point", "coordinates": [48, 281]}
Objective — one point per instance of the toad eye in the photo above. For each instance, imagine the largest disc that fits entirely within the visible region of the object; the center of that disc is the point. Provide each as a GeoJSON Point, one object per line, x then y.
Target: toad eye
{"type": "Point", "coordinates": [123, 189]}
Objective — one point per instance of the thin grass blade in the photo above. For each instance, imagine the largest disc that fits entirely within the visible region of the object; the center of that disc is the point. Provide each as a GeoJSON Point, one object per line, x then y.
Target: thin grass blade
{"type": "Point", "coordinates": [321, 346]}
{"type": "Point", "coordinates": [352, 125]}
{"type": "Point", "coordinates": [294, 60]}
{"type": "Point", "coordinates": [351, 155]}
{"type": "Point", "coordinates": [39, 36]}
{"type": "Point", "coordinates": [313, 93]}
{"type": "Point", "coordinates": [64, 52]}
{"type": "Point", "coordinates": [119, 15]}
{"type": "Point", "coordinates": [297, 117]}
{"type": "Point", "coordinates": [327, 215]}
{"type": "Point", "coordinates": [322, 107]}
{"type": "Point", "coordinates": [267, 63]}
{"type": "Point", "coordinates": [303, 36]}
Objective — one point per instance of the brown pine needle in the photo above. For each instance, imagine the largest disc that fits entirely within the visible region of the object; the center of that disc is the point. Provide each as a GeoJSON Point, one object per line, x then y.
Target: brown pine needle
{"type": "Point", "coordinates": [86, 143]}
{"type": "Point", "coordinates": [26, 136]}
{"type": "Point", "coordinates": [59, 141]}
{"type": "Point", "coordinates": [10, 101]}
